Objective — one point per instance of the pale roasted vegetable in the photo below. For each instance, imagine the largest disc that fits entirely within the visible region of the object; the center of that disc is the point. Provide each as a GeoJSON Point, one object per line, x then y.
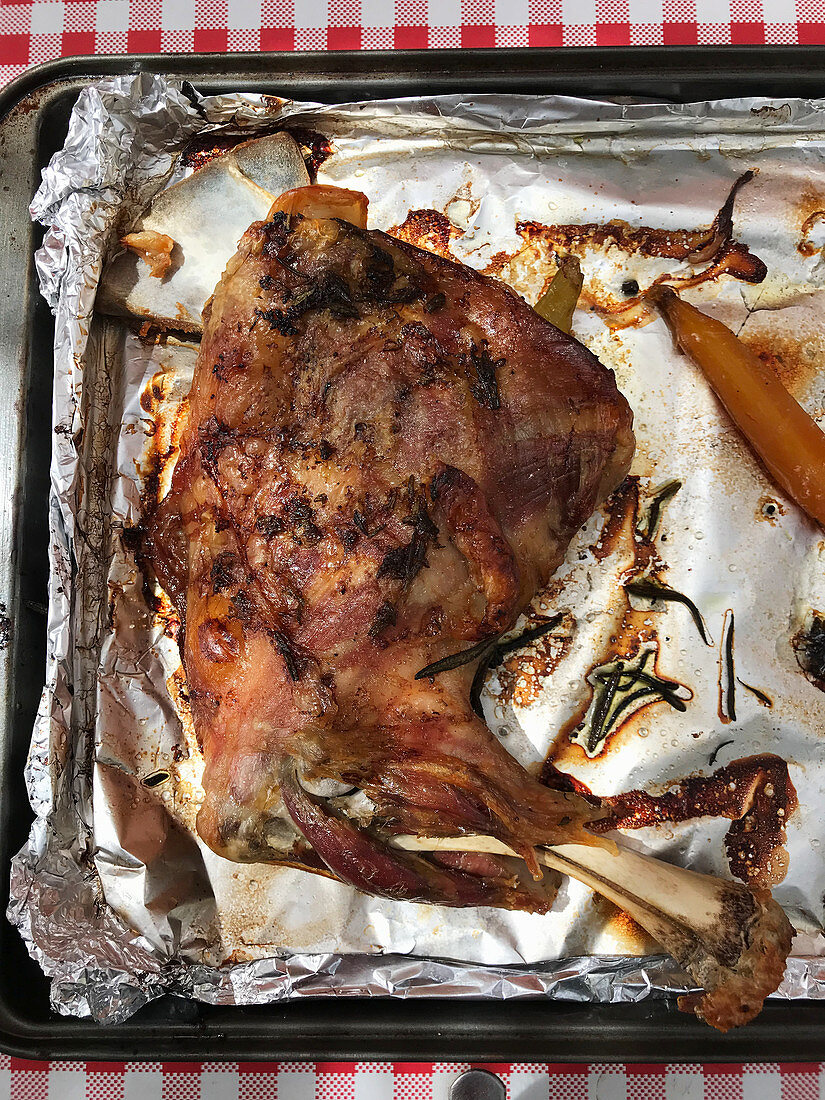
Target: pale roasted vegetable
{"type": "Point", "coordinates": [320, 200]}
{"type": "Point", "coordinates": [788, 441]}
{"type": "Point", "coordinates": [558, 302]}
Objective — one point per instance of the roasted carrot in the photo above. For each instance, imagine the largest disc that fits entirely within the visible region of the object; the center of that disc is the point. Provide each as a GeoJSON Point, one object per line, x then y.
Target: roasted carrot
{"type": "Point", "coordinates": [789, 443]}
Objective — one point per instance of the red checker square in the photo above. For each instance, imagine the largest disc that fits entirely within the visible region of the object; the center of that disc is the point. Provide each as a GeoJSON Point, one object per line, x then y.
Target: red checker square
{"type": "Point", "coordinates": [612, 34]}
{"type": "Point", "coordinates": [476, 35]}
{"type": "Point", "coordinates": [344, 38]}
{"type": "Point", "coordinates": [800, 1083]}
{"type": "Point", "coordinates": [182, 1067]}
{"type": "Point", "coordinates": [277, 38]}
{"type": "Point", "coordinates": [545, 34]}
{"type": "Point", "coordinates": [211, 41]}
{"type": "Point", "coordinates": [410, 38]}
{"type": "Point", "coordinates": [811, 34]}
{"type": "Point", "coordinates": [747, 34]}
{"type": "Point", "coordinates": [412, 1067]}
{"type": "Point", "coordinates": [14, 50]}
{"type": "Point", "coordinates": [144, 41]}
{"type": "Point", "coordinates": [76, 43]}
{"type": "Point", "coordinates": [679, 34]}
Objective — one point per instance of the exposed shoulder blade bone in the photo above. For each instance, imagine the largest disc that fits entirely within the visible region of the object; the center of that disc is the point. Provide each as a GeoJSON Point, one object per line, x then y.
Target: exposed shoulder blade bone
{"type": "Point", "coordinates": [206, 215]}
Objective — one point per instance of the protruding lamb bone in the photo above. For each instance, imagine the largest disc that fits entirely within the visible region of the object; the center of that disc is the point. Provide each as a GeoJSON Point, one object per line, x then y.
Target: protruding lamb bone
{"type": "Point", "coordinates": [205, 214]}
{"type": "Point", "coordinates": [731, 939]}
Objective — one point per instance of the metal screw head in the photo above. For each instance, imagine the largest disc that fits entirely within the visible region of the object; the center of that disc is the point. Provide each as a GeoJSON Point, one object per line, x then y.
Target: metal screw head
{"type": "Point", "coordinates": [477, 1084]}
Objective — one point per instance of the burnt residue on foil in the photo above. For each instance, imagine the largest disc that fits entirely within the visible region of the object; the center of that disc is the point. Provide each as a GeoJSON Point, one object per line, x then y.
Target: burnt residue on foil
{"type": "Point", "coordinates": [118, 931]}
{"type": "Point", "coordinates": [428, 229]}
{"type": "Point", "coordinates": [203, 147]}
{"type": "Point", "coordinates": [755, 792]}
{"type": "Point", "coordinates": [705, 255]}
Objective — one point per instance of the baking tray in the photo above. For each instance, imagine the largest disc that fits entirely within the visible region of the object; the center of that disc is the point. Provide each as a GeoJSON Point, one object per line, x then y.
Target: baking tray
{"type": "Point", "coordinates": [34, 113]}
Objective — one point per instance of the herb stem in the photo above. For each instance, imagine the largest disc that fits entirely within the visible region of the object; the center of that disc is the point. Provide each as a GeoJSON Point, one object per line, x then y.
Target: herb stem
{"type": "Point", "coordinates": [652, 590]}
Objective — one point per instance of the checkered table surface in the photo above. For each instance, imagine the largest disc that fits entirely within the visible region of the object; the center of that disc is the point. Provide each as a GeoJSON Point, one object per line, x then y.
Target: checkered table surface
{"type": "Point", "coordinates": [41, 30]}
{"type": "Point", "coordinates": [401, 1081]}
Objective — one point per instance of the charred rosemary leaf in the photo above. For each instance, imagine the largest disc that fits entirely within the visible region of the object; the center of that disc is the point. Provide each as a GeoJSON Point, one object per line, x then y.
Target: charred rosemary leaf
{"type": "Point", "coordinates": [649, 523]}
{"type": "Point", "coordinates": [456, 660]}
{"type": "Point", "coordinates": [727, 671]}
{"type": "Point", "coordinates": [502, 650]}
{"type": "Point", "coordinates": [714, 755]}
{"type": "Point", "coordinates": [489, 653]}
{"type": "Point", "coordinates": [652, 590]}
{"type": "Point", "coordinates": [156, 779]}
{"type": "Point", "coordinates": [763, 697]}
{"type": "Point", "coordinates": [598, 724]}
{"type": "Point", "coordinates": [478, 683]}
{"type": "Point", "coordinates": [527, 637]}
{"type": "Point", "coordinates": [619, 690]}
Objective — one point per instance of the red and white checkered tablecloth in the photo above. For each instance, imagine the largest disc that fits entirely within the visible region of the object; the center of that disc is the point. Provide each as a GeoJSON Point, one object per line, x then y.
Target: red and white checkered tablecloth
{"type": "Point", "coordinates": [38, 30]}
{"type": "Point", "coordinates": [35, 31]}
{"type": "Point", "coordinates": [401, 1081]}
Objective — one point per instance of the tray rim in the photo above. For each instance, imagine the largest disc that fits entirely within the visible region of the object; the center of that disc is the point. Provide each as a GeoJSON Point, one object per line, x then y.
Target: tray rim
{"type": "Point", "coordinates": [435, 1027]}
{"type": "Point", "coordinates": [694, 62]}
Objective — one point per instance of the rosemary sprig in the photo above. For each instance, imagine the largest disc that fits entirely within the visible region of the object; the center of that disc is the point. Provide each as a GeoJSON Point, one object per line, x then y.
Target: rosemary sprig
{"type": "Point", "coordinates": [715, 754]}
{"type": "Point", "coordinates": [727, 698]}
{"type": "Point", "coordinates": [650, 523]}
{"type": "Point", "coordinates": [527, 637]}
{"type": "Point", "coordinates": [652, 590]}
{"type": "Point", "coordinates": [489, 653]}
{"type": "Point", "coordinates": [456, 660]}
{"type": "Point", "coordinates": [762, 696]}
{"type": "Point", "coordinates": [600, 714]}
{"type": "Point", "coordinates": [620, 688]}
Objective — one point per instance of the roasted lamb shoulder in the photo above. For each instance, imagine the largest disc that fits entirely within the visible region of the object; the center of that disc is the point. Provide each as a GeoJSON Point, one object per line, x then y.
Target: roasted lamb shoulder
{"type": "Point", "coordinates": [386, 457]}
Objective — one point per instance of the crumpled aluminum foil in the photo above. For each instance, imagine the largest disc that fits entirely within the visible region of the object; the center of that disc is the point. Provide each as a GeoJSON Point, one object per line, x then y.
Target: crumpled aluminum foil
{"type": "Point", "coordinates": [115, 896]}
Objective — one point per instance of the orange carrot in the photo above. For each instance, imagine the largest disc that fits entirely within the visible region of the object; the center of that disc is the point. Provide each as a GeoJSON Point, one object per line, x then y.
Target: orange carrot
{"type": "Point", "coordinates": [789, 443]}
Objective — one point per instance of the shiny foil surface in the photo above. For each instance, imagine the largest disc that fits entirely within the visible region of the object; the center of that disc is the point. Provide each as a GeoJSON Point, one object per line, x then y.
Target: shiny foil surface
{"type": "Point", "coordinates": [114, 893]}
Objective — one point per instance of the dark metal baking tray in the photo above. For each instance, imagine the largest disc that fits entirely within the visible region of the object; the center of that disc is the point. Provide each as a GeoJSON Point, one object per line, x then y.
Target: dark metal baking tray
{"type": "Point", "coordinates": [34, 111]}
